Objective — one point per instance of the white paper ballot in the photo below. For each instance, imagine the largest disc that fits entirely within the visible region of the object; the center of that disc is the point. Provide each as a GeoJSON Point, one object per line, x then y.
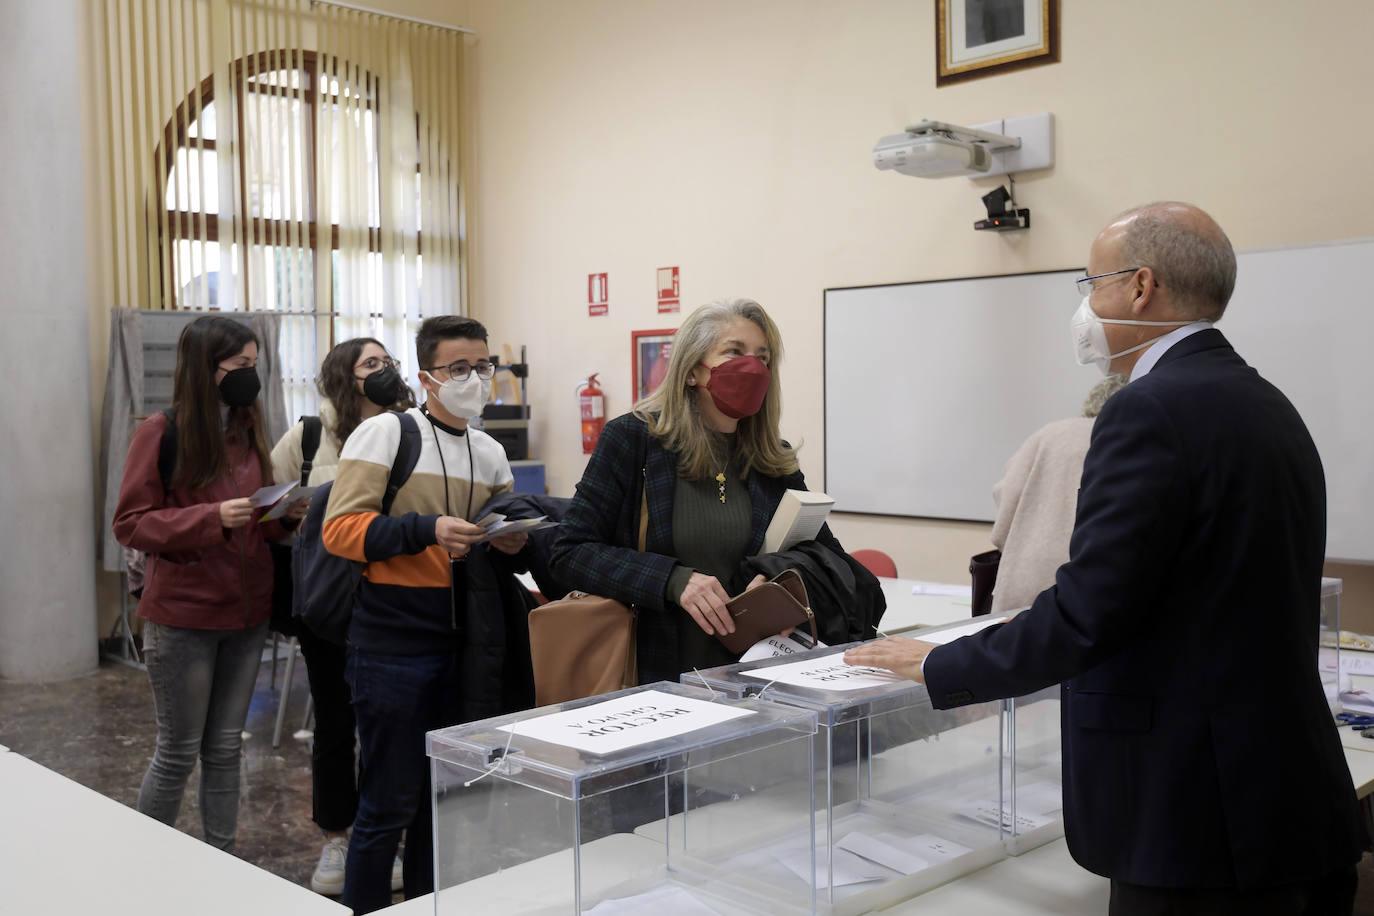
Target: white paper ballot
{"type": "Point", "coordinates": [829, 673]}
{"type": "Point", "coordinates": [885, 854]}
{"type": "Point", "coordinates": [849, 868]}
{"type": "Point", "coordinates": [927, 845]}
{"type": "Point", "coordinates": [940, 588]}
{"type": "Point", "coordinates": [629, 721]}
{"type": "Point", "coordinates": [291, 498]}
{"type": "Point", "coordinates": [496, 524]}
{"type": "Point", "coordinates": [266, 496]}
{"type": "Point", "coordinates": [775, 646]}
{"type": "Point", "coordinates": [1357, 662]}
{"type": "Point", "coordinates": [661, 901]}
{"type": "Point", "coordinates": [1037, 804]}
{"type": "Point", "coordinates": [953, 633]}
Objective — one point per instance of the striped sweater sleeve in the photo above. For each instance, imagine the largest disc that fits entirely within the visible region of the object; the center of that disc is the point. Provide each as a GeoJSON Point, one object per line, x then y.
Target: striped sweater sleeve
{"type": "Point", "coordinates": [354, 526]}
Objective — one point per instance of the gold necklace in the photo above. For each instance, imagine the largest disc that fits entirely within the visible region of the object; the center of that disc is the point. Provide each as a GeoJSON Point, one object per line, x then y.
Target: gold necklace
{"type": "Point", "coordinates": [720, 484]}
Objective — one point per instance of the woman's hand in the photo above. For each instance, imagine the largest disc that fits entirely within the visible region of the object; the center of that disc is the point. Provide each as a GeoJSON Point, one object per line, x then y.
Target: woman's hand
{"type": "Point", "coordinates": [455, 535]}
{"type": "Point", "coordinates": [704, 599]}
{"type": "Point", "coordinates": [235, 513]}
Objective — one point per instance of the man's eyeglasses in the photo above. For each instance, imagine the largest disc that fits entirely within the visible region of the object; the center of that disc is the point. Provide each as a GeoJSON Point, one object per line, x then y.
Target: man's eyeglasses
{"type": "Point", "coordinates": [373, 363]}
{"type": "Point", "coordinates": [1085, 284]}
{"type": "Point", "coordinates": [460, 370]}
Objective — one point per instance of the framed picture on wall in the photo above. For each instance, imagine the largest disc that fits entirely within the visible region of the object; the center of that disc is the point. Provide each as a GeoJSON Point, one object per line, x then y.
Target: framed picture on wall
{"type": "Point", "coordinates": [649, 359]}
{"type": "Point", "coordinates": [976, 38]}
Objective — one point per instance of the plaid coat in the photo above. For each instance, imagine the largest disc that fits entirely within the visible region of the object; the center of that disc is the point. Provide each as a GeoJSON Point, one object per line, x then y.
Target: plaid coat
{"type": "Point", "coordinates": [597, 548]}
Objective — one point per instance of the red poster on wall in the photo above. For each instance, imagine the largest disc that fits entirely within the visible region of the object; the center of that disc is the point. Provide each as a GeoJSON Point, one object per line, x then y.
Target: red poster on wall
{"type": "Point", "coordinates": [598, 295]}
{"type": "Point", "coordinates": [669, 290]}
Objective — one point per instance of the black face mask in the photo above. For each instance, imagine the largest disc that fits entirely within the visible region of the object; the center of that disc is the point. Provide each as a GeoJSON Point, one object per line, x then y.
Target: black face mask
{"type": "Point", "coordinates": [383, 387]}
{"type": "Point", "coordinates": [240, 387]}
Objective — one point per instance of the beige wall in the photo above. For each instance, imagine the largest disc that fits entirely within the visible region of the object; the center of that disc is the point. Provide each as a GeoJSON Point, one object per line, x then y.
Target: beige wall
{"type": "Point", "coordinates": [732, 139]}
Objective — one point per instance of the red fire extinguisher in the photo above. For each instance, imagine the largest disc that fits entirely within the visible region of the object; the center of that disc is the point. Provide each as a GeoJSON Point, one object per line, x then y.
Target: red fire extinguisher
{"type": "Point", "coordinates": [592, 401]}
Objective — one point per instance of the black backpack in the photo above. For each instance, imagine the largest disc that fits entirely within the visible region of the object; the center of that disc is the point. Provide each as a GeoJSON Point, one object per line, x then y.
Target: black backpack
{"type": "Point", "coordinates": [323, 584]}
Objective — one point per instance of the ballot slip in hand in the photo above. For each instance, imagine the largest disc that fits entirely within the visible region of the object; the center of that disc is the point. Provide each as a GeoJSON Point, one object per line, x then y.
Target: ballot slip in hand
{"type": "Point", "coordinates": [266, 496]}
{"type": "Point", "coordinates": [495, 525]}
{"type": "Point", "coordinates": [283, 505]}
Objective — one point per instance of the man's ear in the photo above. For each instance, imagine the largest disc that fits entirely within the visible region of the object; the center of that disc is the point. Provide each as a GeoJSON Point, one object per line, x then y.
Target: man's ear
{"type": "Point", "coordinates": [1143, 288]}
{"type": "Point", "coordinates": [428, 383]}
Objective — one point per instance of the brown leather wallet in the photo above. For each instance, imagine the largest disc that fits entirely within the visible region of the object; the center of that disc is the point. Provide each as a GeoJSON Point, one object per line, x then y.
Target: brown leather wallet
{"type": "Point", "coordinates": [767, 609]}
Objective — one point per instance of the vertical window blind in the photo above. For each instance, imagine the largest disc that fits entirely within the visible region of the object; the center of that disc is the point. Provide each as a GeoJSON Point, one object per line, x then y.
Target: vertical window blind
{"type": "Point", "coordinates": [286, 156]}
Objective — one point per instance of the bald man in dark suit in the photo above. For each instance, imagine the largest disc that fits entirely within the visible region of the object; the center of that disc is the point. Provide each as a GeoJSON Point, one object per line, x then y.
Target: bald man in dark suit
{"type": "Point", "coordinates": [1202, 769]}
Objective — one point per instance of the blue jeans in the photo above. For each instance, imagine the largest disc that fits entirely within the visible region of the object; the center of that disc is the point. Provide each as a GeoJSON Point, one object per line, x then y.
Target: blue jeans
{"type": "Point", "coordinates": [396, 699]}
{"type": "Point", "coordinates": [202, 685]}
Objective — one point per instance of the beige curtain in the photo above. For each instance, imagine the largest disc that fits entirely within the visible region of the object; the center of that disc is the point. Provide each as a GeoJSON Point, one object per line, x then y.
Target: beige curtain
{"type": "Point", "coordinates": [282, 155]}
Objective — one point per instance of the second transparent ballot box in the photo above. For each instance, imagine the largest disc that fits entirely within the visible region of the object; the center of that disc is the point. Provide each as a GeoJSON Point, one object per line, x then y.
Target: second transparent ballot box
{"type": "Point", "coordinates": [1329, 641]}
{"type": "Point", "coordinates": [907, 795]}
{"type": "Point", "coordinates": [536, 812]}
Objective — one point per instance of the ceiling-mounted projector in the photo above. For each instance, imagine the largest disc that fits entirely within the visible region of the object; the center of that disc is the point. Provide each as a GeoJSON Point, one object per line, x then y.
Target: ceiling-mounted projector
{"type": "Point", "coordinates": [931, 156]}
{"type": "Point", "coordinates": [935, 149]}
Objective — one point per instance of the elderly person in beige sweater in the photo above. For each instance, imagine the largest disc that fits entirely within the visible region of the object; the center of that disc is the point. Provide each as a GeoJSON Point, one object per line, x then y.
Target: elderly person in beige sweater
{"type": "Point", "coordinates": [1036, 499]}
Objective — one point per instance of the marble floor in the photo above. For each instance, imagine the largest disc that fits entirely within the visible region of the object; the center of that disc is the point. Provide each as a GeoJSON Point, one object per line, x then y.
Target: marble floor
{"type": "Point", "coordinates": [98, 731]}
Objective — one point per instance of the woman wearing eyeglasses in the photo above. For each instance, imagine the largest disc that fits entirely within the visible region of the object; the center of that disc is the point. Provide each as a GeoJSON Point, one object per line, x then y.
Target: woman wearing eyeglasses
{"type": "Point", "coordinates": [358, 379]}
{"type": "Point", "coordinates": [706, 452]}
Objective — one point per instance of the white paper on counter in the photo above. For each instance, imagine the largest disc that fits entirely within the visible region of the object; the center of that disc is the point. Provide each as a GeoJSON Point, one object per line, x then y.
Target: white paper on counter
{"type": "Point", "coordinates": [953, 633]}
{"type": "Point", "coordinates": [661, 901]}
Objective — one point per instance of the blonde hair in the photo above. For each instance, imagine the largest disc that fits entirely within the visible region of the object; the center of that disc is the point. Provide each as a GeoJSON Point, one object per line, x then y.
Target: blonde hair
{"type": "Point", "coordinates": [675, 420]}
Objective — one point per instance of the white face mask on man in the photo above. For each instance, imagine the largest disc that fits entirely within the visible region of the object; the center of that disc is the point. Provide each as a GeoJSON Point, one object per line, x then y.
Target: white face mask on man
{"type": "Point", "coordinates": [464, 399]}
{"type": "Point", "coordinates": [1090, 337]}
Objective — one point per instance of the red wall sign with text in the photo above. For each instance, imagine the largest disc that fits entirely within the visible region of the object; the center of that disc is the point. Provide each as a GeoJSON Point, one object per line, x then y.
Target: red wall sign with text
{"type": "Point", "coordinates": [598, 295]}
{"type": "Point", "coordinates": [669, 290]}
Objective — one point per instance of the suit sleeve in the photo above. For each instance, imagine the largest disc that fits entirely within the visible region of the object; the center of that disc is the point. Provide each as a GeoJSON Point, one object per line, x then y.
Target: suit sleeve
{"type": "Point", "coordinates": [587, 554]}
{"type": "Point", "coordinates": [143, 520]}
{"type": "Point", "coordinates": [1132, 506]}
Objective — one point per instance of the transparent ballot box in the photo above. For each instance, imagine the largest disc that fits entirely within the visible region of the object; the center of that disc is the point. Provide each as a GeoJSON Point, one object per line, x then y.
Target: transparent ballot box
{"type": "Point", "coordinates": [907, 795]}
{"type": "Point", "coordinates": [536, 812]}
{"type": "Point", "coordinates": [1329, 641]}
{"type": "Point", "coordinates": [1033, 786]}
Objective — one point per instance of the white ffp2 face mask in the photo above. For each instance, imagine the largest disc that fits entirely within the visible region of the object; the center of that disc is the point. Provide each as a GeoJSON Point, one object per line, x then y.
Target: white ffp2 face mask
{"type": "Point", "coordinates": [464, 399]}
{"type": "Point", "coordinates": [1090, 337]}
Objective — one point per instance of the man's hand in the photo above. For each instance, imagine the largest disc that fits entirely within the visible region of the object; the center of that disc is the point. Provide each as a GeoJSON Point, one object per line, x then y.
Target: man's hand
{"type": "Point", "coordinates": [704, 599]}
{"type": "Point", "coordinates": [896, 653]}
{"type": "Point", "coordinates": [511, 543]}
{"type": "Point", "coordinates": [455, 535]}
{"type": "Point", "coordinates": [235, 513]}
{"type": "Point", "coordinates": [298, 510]}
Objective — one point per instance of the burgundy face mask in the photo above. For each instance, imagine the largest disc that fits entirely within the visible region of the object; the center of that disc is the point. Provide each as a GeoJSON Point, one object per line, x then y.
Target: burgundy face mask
{"type": "Point", "coordinates": [738, 386]}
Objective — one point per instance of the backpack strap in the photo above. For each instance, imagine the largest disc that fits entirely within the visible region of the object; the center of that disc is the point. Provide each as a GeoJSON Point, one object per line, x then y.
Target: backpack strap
{"type": "Point", "coordinates": [310, 444]}
{"type": "Point", "coordinates": [167, 450]}
{"type": "Point", "coordinates": [407, 454]}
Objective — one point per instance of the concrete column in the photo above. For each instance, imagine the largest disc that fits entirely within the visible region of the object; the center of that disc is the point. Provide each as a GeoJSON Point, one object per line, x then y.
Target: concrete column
{"type": "Point", "coordinates": [47, 501]}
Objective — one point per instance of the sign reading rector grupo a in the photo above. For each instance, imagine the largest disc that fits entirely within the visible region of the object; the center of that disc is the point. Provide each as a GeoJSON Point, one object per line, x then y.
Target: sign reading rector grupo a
{"type": "Point", "coordinates": [829, 673]}
{"type": "Point", "coordinates": [625, 722]}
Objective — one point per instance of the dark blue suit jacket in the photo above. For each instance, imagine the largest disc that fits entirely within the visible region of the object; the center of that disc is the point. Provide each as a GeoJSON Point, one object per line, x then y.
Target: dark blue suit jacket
{"type": "Point", "coordinates": [1198, 747]}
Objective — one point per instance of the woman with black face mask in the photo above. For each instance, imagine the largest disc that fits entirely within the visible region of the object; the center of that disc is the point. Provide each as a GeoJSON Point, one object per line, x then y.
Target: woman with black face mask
{"type": "Point", "coordinates": [208, 589]}
{"type": "Point", "coordinates": [357, 380]}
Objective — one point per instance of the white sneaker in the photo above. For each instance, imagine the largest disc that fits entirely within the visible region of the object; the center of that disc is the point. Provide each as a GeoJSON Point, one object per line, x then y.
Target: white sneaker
{"type": "Point", "coordinates": [328, 878]}
{"type": "Point", "coordinates": [397, 877]}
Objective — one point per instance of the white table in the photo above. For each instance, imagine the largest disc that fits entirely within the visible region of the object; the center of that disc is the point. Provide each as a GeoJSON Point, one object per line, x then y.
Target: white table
{"type": "Point", "coordinates": [68, 849]}
{"type": "Point", "coordinates": [906, 611]}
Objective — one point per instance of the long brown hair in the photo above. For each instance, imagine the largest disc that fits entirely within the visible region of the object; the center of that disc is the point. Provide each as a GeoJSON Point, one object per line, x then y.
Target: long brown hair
{"type": "Point", "coordinates": [339, 385]}
{"type": "Point", "coordinates": [672, 413]}
{"type": "Point", "coordinates": [201, 454]}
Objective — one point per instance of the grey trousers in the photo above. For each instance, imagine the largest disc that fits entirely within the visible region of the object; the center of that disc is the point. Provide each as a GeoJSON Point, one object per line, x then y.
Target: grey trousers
{"type": "Point", "coordinates": [202, 684]}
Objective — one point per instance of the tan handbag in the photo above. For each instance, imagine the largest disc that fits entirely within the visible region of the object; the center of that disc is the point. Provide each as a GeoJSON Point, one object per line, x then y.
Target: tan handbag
{"type": "Point", "coordinates": [767, 609]}
{"type": "Point", "coordinates": [584, 645]}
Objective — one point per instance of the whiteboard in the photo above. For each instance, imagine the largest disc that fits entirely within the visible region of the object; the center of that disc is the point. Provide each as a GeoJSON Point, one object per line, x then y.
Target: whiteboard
{"type": "Point", "coordinates": [930, 387]}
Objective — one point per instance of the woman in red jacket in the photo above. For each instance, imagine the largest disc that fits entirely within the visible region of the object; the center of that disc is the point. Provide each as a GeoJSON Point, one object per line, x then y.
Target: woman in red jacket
{"type": "Point", "coordinates": [208, 590]}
